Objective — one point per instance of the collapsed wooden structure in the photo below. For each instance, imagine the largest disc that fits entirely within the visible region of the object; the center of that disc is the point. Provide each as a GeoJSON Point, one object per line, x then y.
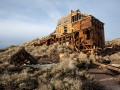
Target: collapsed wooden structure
{"type": "Point", "coordinates": [79, 31]}
{"type": "Point", "coordinates": [22, 57]}
{"type": "Point", "coordinates": [109, 67]}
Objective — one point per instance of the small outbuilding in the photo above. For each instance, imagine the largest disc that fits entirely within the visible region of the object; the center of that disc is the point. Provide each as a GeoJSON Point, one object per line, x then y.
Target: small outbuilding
{"type": "Point", "coordinates": [22, 57]}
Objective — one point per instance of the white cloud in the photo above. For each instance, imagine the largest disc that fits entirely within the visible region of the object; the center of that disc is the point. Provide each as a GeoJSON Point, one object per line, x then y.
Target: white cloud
{"type": "Point", "coordinates": [13, 32]}
{"type": "Point", "coordinates": [15, 27]}
{"type": "Point", "coordinates": [29, 19]}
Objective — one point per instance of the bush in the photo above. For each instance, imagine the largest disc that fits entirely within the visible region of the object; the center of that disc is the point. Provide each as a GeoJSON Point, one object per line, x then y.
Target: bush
{"type": "Point", "coordinates": [63, 76]}
{"type": "Point", "coordinates": [2, 68]}
{"type": "Point", "coordinates": [73, 55]}
{"type": "Point", "coordinates": [92, 85]}
{"type": "Point", "coordinates": [83, 57]}
{"type": "Point", "coordinates": [12, 68]}
{"type": "Point", "coordinates": [18, 81]}
{"type": "Point", "coordinates": [29, 83]}
{"type": "Point", "coordinates": [69, 74]}
{"type": "Point", "coordinates": [2, 87]}
{"type": "Point", "coordinates": [119, 80]}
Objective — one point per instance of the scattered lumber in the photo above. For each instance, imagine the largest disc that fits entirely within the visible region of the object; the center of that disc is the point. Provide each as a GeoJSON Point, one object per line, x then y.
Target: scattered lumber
{"type": "Point", "coordinates": [108, 67]}
{"type": "Point", "coordinates": [22, 57]}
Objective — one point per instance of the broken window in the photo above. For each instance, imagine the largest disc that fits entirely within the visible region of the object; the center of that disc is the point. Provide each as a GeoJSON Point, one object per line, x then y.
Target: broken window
{"type": "Point", "coordinates": [75, 18]}
{"type": "Point", "coordinates": [65, 29]}
{"type": "Point", "coordinates": [72, 18]}
{"type": "Point", "coordinates": [48, 42]}
{"type": "Point", "coordinates": [81, 47]}
{"type": "Point", "coordinates": [87, 32]}
{"type": "Point", "coordinates": [79, 16]}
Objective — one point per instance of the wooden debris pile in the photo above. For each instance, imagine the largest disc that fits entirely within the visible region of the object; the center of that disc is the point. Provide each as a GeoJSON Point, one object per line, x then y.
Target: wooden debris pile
{"type": "Point", "coordinates": [110, 50]}
{"type": "Point", "coordinates": [22, 57]}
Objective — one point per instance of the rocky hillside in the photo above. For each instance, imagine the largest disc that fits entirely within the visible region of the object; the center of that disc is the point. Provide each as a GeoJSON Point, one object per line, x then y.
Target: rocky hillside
{"type": "Point", "coordinates": [112, 51]}
{"type": "Point", "coordinates": [65, 75]}
{"type": "Point", "coordinates": [68, 74]}
{"type": "Point", "coordinates": [113, 42]}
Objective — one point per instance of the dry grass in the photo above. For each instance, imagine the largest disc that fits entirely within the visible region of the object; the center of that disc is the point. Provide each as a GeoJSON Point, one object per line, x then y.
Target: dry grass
{"type": "Point", "coordinates": [66, 76]}
{"type": "Point", "coordinates": [15, 79]}
{"type": "Point", "coordinates": [63, 76]}
{"type": "Point", "coordinates": [92, 85]}
{"type": "Point", "coordinates": [119, 80]}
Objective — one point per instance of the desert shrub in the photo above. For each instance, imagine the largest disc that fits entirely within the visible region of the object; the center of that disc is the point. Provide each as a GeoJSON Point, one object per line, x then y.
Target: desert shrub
{"type": "Point", "coordinates": [83, 75]}
{"type": "Point", "coordinates": [18, 81]}
{"type": "Point", "coordinates": [1, 62]}
{"type": "Point", "coordinates": [7, 82]}
{"type": "Point", "coordinates": [63, 49]}
{"type": "Point", "coordinates": [63, 56]}
{"type": "Point", "coordinates": [119, 80]}
{"type": "Point", "coordinates": [60, 46]}
{"type": "Point", "coordinates": [43, 49]}
{"type": "Point", "coordinates": [92, 85]}
{"type": "Point", "coordinates": [73, 55]}
{"type": "Point", "coordinates": [60, 50]}
{"type": "Point", "coordinates": [29, 70]}
{"type": "Point", "coordinates": [34, 80]}
{"type": "Point", "coordinates": [84, 65]}
{"type": "Point", "coordinates": [12, 68]}
{"type": "Point", "coordinates": [55, 45]}
{"type": "Point", "coordinates": [22, 86]}
{"type": "Point", "coordinates": [30, 49]}
{"type": "Point", "coordinates": [4, 58]}
{"type": "Point", "coordinates": [82, 57]}
{"type": "Point", "coordinates": [2, 68]}
{"type": "Point", "coordinates": [58, 84]}
{"type": "Point", "coordinates": [64, 76]}
{"type": "Point", "coordinates": [64, 66]}
{"type": "Point", "coordinates": [29, 83]}
{"type": "Point", "coordinates": [92, 58]}
{"type": "Point", "coordinates": [1, 87]}
{"type": "Point", "coordinates": [81, 64]}
{"type": "Point", "coordinates": [73, 84]}
{"type": "Point", "coordinates": [12, 46]}
{"type": "Point", "coordinates": [52, 49]}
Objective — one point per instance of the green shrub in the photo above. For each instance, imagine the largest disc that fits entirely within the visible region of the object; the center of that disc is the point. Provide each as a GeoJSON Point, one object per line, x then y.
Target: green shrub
{"type": "Point", "coordinates": [12, 68]}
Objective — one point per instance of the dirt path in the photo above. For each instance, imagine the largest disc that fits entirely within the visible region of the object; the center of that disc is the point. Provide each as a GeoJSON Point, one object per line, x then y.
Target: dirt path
{"type": "Point", "coordinates": [109, 81]}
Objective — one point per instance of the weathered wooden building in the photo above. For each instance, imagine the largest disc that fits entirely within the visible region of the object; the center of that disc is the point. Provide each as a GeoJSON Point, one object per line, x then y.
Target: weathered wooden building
{"type": "Point", "coordinates": [22, 57]}
{"type": "Point", "coordinates": [78, 30]}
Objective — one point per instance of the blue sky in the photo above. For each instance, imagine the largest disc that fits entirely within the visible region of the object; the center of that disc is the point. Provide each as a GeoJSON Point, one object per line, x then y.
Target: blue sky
{"type": "Point", "coordinates": [24, 20]}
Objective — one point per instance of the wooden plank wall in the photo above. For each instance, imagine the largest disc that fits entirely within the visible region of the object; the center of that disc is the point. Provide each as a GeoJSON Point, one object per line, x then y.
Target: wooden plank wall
{"type": "Point", "coordinates": [76, 35]}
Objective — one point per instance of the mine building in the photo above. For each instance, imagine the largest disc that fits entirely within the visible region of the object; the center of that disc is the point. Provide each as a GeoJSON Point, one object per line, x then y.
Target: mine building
{"type": "Point", "coordinates": [78, 30]}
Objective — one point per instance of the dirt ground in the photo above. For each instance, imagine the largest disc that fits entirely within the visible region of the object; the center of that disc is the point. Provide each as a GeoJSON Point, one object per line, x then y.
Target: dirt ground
{"type": "Point", "coordinates": [108, 80]}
